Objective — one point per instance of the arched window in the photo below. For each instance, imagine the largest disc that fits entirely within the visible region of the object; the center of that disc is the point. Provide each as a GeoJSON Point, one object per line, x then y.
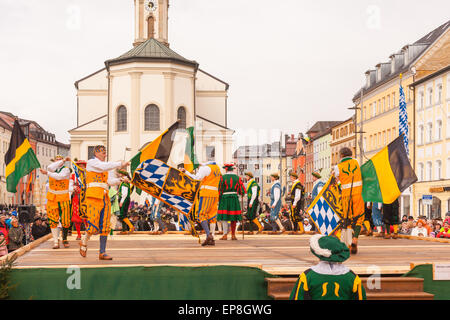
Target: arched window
{"type": "Point", "coordinates": [430, 132]}
{"type": "Point", "coordinates": [121, 124]}
{"type": "Point", "coordinates": [151, 27]}
{"type": "Point", "coordinates": [420, 137]}
{"type": "Point", "coordinates": [421, 172]}
{"type": "Point", "coordinates": [439, 130]}
{"type": "Point", "coordinates": [151, 118]}
{"type": "Point", "coordinates": [181, 115]}
{"type": "Point", "coordinates": [438, 170]}
{"type": "Point", "coordinates": [429, 171]}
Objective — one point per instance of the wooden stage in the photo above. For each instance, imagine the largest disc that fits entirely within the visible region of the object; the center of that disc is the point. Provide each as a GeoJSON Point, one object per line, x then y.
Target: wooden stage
{"type": "Point", "coordinates": [275, 254]}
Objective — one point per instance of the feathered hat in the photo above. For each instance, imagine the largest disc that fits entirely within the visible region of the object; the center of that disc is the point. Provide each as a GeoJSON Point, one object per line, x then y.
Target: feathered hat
{"type": "Point", "coordinates": [328, 248]}
{"type": "Point", "coordinates": [249, 174]}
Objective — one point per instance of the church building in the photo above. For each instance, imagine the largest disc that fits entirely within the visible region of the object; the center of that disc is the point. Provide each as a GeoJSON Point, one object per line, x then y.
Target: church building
{"type": "Point", "coordinates": [138, 95]}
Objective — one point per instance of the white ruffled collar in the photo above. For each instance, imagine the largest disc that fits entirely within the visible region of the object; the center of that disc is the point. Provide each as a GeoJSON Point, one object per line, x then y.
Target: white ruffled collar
{"type": "Point", "coordinates": [330, 268]}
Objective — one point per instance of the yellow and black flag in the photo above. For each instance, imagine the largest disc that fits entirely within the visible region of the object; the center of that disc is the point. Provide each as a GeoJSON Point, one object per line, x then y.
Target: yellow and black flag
{"type": "Point", "coordinates": [387, 174]}
{"type": "Point", "coordinates": [159, 149]}
{"type": "Point", "coordinates": [20, 158]}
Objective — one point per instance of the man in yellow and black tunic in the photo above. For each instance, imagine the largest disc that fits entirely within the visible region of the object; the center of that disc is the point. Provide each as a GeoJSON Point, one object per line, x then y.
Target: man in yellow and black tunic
{"type": "Point", "coordinates": [329, 279]}
{"type": "Point", "coordinates": [253, 192]}
{"type": "Point", "coordinates": [297, 198]}
{"type": "Point", "coordinates": [100, 175]}
{"type": "Point", "coordinates": [58, 199]}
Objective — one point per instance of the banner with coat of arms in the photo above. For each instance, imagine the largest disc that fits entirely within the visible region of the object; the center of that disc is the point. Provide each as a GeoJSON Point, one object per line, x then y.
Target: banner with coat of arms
{"type": "Point", "coordinates": [326, 209]}
{"type": "Point", "coordinates": [167, 184]}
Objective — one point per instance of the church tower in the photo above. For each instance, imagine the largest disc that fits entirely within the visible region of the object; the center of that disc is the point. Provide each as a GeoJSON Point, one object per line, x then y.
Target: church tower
{"type": "Point", "coordinates": [151, 21]}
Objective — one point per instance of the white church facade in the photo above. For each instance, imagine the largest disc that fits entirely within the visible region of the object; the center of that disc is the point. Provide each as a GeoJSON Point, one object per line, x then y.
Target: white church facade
{"type": "Point", "coordinates": [139, 94]}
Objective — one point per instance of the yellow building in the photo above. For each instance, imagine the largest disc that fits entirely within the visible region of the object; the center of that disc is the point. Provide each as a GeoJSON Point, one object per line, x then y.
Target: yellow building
{"type": "Point", "coordinates": [378, 118]}
{"type": "Point", "coordinates": [432, 192]}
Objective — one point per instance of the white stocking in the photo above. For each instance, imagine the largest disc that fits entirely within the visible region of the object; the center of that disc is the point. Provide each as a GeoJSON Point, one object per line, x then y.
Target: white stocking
{"type": "Point", "coordinates": [85, 238]}
{"type": "Point", "coordinates": [225, 227]}
{"type": "Point", "coordinates": [55, 233]}
{"type": "Point", "coordinates": [212, 228]}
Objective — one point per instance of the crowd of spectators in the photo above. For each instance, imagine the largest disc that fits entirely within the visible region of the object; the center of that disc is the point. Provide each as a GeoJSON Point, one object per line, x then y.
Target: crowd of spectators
{"type": "Point", "coordinates": [14, 235]}
{"type": "Point", "coordinates": [425, 227]}
{"type": "Point", "coordinates": [144, 218]}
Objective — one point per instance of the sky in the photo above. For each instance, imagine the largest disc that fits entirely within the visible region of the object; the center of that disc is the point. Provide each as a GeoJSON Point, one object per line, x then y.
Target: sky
{"type": "Point", "coordinates": [289, 63]}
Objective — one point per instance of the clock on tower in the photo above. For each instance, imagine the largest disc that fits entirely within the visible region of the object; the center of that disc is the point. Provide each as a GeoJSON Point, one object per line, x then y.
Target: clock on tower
{"type": "Point", "coordinates": [151, 20]}
{"type": "Point", "coordinates": [151, 5]}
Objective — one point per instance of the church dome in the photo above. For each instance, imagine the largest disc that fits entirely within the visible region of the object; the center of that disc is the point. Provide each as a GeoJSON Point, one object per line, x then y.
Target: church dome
{"type": "Point", "coordinates": [150, 50]}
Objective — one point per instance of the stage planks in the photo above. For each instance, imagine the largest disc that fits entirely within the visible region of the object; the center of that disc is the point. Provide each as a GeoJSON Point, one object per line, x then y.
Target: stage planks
{"type": "Point", "coordinates": [276, 254]}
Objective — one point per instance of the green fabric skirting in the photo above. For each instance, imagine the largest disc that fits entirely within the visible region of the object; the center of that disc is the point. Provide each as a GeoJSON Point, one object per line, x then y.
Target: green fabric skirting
{"type": "Point", "coordinates": [440, 288]}
{"type": "Point", "coordinates": [140, 283]}
{"type": "Point", "coordinates": [229, 208]}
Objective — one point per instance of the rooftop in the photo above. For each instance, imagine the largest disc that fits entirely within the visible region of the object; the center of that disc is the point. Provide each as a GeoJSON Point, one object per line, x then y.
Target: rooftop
{"type": "Point", "coordinates": [152, 50]}
{"type": "Point", "coordinates": [400, 61]}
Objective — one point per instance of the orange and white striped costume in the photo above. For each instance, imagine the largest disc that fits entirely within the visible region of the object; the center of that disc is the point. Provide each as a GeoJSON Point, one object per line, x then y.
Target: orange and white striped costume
{"type": "Point", "coordinates": [58, 195]}
{"type": "Point", "coordinates": [100, 176]}
{"type": "Point", "coordinates": [208, 202]}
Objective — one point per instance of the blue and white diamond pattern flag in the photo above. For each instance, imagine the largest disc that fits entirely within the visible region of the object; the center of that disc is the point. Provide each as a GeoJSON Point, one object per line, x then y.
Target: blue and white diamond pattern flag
{"type": "Point", "coordinates": [155, 171]}
{"type": "Point", "coordinates": [403, 120]}
{"type": "Point", "coordinates": [167, 184]}
{"type": "Point", "coordinates": [326, 210]}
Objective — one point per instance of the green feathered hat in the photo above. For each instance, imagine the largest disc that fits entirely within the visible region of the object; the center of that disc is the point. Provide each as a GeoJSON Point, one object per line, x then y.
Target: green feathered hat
{"type": "Point", "coordinates": [328, 248]}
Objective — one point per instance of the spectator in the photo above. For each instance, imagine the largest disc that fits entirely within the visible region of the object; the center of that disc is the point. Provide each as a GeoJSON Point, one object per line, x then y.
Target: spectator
{"type": "Point", "coordinates": [420, 230]}
{"type": "Point", "coordinates": [404, 218]}
{"type": "Point", "coordinates": [286, 223]}
{"type": "Point", "coordinates": [436, 229]}
{"type": "Point", "coordinates": [404, 229]}
{"type": "Point", "coordinates": [3, 246]}
{"type": "Point", "coordinates": [444, 232]}
{"type": "Point", "coordinates": [263, 217]}
{"type": "Point", "coordinates": [307, 225]}
{"type": "Point", "coordinates": [4, 228]}
{"type": "Point", "coordinates": [429, 226]}
{"type": "Point", "coordinates": [447, 218]}
{"type": "Point", "coordinates": [39, 229]}
{"type": "Point", "coordinates": [15, 236]}
{"type": "Point", "coordinates": [411, 223]}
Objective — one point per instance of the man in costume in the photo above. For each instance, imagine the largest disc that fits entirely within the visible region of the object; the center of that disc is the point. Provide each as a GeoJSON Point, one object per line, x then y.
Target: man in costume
{"type": "Point", "coordinates": [391, 218]}
{"type": "Point", "coordinates": [348, 175]}
{"type": "Point", "coordinates": [100, 175]}
{"type": "Point", "coordinates": [253, 191]}
{"type": "Point", "coordinates": [158, 224]}
{"type": "Point", "coordinates": [377, 217]}
{"type": "Point", "coordinates": [209, 175]}
{"type": "Point", "coordinates": [329, 279]}
{"type": "Point", "coordinates": [58, 199]}
{"type": "Point", "coordinates": [275, 202]}
{"type": "Point", "coordinates": [297, 198]}
{"type": "Point", "coordinates": [368, 224]}
{"type": "Point", "coordinates": [317, 184]}
{"type": "Point", "coordinates": [125, 191]}
{"type": "Point", "coordinates": [76, 200]}
{"type": "Point", "coordinates": [230, 188]}
{"type": "Point", "coordinates": [113, 194]}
